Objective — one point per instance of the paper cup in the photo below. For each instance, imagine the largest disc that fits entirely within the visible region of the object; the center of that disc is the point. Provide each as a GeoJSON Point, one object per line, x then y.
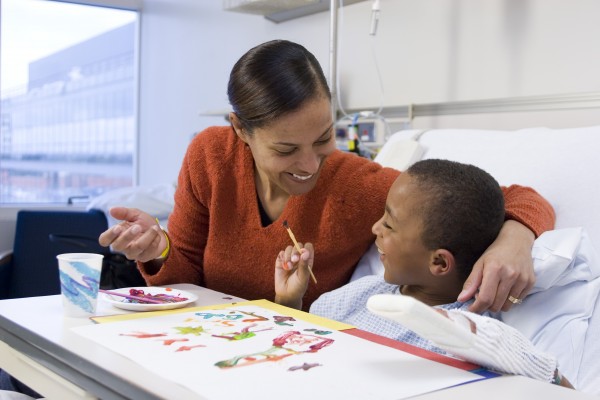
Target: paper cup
{"type": "Point", "coordinates": [79, 282]}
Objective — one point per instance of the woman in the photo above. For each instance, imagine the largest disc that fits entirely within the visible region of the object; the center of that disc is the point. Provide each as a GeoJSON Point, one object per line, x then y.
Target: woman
{"type": "Point", "coordinates": [278, 162]}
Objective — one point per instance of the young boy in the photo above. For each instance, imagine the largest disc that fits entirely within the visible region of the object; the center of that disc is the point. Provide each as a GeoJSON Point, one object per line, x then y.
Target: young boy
{"type": "Point", "coordinates": [440, 216]}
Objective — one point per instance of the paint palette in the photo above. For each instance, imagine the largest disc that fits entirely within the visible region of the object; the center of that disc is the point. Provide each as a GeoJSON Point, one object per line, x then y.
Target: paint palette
{"type": "Point", "coordinates": [152, 292]}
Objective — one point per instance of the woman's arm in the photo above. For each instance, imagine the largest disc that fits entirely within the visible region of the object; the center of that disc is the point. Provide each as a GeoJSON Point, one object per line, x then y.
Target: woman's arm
{"type": "Point", "coordinates": [525, 205]}
{"type": "Point", "coordinates": [505, 270]}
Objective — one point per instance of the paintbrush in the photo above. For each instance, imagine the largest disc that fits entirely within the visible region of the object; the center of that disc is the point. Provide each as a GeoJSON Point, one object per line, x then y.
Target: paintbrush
{"type": "Point", "coordinates": [131, 297]}
{"type": "Point", "coordinates": [287, 227]}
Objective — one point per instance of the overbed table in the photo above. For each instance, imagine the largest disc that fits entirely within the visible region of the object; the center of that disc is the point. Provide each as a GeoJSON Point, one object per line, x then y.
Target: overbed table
{"type": "Point", "coordinates": [38, 348]}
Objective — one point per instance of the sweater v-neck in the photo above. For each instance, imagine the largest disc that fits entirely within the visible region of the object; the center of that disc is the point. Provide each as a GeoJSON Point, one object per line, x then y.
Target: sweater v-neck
{"type": "Point", "coordinates": [265, 220]}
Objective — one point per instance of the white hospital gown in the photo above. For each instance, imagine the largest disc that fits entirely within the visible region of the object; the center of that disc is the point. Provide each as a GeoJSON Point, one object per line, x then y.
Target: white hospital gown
{"type": "Point", "coordinates": [349, 304]}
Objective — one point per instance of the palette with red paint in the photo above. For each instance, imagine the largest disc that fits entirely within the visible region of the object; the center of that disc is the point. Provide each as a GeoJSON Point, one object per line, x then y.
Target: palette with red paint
{"type": "Point", "coordinates": [170, 298]}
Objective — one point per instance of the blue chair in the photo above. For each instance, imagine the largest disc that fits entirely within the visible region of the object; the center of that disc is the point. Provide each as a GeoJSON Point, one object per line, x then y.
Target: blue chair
{"type": "Point", "coordinates": [32, 268]}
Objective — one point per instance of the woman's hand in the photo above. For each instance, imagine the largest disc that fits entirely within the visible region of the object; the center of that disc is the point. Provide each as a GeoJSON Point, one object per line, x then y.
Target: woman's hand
{"type": "Point", "coordinates": [292, 274]}
{"type": "Point", "coordinates": [504, 273]}
{"type": "Point", "coordinates": [138, 236]}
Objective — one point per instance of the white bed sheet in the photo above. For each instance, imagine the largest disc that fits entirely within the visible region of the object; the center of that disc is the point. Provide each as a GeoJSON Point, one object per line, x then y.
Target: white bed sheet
{"type": "Point", "coordinates": [557, 314]}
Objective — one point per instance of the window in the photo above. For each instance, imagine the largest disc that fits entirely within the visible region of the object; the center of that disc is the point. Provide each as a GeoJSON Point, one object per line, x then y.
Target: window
{"type": "Point", "coordinates": [68, 100]}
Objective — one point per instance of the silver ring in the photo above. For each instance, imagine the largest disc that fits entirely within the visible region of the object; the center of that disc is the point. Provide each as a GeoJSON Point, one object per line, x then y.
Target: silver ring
{"type": "Point", "coordinates": [514, 300]}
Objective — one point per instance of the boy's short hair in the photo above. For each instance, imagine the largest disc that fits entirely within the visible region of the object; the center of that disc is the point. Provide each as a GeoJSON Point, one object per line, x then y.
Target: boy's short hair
{"type": "Point", "coordinates": [463, 209]}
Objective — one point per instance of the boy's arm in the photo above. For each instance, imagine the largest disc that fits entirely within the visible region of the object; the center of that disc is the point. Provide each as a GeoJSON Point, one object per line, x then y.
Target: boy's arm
{"type": "Point", "coordinates": [292, 272]}
{"type": "Point", "coordinates": [472, 337]}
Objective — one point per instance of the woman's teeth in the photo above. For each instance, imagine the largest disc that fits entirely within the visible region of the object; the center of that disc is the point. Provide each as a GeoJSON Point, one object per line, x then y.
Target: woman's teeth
{"type": "Point", "coordinates": [303, 178]}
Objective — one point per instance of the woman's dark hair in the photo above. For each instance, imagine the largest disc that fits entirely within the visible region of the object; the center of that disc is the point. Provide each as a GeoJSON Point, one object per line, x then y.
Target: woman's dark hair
{"type": "Point", "coordinates": [273, 79]}
{"type": "Point", "coordinates": [463, 209]}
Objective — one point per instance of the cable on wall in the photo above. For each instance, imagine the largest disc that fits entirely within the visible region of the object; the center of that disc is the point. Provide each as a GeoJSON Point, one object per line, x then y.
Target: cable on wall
{"type": "Point", "coordinates": [353, 136]}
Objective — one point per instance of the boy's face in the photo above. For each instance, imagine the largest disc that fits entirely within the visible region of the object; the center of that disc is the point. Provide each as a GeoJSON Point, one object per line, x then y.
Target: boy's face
{"type": "Point", "coordinates": [398, 232]}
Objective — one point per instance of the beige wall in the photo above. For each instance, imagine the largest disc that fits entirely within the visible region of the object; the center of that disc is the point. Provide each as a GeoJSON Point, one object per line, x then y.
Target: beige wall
{"type": "Point", "coordinates": [427, 51]}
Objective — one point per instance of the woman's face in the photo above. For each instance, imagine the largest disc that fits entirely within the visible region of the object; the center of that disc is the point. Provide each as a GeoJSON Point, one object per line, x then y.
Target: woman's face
{"type": "Point", "coordinates": [290, 152]}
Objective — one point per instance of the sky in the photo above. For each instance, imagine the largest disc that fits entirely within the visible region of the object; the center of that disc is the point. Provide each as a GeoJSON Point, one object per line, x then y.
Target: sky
{"type": "Point", "coordinates": [32, 29]}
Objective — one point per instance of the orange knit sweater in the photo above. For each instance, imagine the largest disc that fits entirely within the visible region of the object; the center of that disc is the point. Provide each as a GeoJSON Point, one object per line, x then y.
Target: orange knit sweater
{"type": "Point", "coordinates": [217, 240]}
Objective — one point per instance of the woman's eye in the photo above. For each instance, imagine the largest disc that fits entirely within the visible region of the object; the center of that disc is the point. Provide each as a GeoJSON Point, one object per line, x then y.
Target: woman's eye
{"type": "Point", "coordinates": [386, 226]}
{"type": "Point", "coordinates": [285, 153]}
{"type": "Point", "coordinates": [324, 141]}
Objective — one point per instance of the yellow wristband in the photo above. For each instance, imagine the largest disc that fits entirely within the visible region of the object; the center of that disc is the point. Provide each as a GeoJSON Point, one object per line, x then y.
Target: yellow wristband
{"type": "Point", "coordinates": [165, 253]}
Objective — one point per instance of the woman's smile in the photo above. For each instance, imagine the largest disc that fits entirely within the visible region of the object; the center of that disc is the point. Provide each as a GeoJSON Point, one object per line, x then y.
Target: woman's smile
{"type": "Point", "coordinates": [302, 177]}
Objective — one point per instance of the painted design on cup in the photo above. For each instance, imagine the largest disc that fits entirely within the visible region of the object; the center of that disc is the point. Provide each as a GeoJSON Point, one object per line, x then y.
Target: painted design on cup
{"type": "Point", "coordinates": [82, 295]}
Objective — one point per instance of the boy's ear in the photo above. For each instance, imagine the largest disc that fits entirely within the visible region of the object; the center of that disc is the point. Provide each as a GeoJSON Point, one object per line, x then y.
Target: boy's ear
{"type": "Point", "coordinates": [442, 262]}
{"type": "Point", "coordinates": [237, 127]}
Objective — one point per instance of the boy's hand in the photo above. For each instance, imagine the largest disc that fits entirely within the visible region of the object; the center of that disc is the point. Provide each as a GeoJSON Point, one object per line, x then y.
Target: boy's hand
{"type": "Point", "coordinates": [292, 275]}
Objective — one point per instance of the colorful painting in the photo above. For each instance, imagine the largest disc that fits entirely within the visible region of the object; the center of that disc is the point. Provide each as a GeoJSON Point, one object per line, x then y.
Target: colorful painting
{"type": "Point", "coordinates": [250, 351]}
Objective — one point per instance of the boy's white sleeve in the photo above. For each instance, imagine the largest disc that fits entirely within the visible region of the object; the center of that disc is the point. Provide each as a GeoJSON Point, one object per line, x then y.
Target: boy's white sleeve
{"type": "Point", "coordinates": [494, 345]}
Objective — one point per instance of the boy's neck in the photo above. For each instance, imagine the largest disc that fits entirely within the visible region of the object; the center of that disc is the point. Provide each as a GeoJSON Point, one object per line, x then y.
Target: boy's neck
{"type": "Point", "coordinates": [432, 296]}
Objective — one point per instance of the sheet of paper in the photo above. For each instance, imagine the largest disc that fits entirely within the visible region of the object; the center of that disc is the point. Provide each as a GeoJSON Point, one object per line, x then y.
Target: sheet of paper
{"type": "Point", "coordinates": [249, 351]}
{"type": "Point", "coordinates": [302, 315]}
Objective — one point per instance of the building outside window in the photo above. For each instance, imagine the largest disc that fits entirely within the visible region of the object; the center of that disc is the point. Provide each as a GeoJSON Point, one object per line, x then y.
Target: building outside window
{"type": "Point", "coordinates": [68, 100]}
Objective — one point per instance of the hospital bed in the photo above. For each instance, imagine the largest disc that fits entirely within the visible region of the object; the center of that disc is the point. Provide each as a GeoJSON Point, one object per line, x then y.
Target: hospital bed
{"type": "Point", "coordinates": [562, 315]}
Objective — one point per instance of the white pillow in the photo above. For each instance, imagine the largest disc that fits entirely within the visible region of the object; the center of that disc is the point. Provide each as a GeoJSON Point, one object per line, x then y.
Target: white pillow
{"type": "Point", "coordinates": [561, 164]}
